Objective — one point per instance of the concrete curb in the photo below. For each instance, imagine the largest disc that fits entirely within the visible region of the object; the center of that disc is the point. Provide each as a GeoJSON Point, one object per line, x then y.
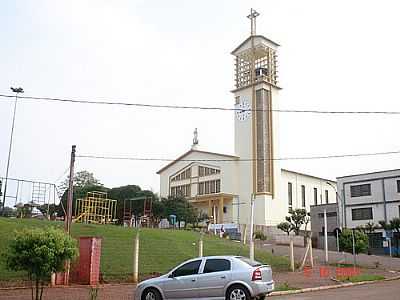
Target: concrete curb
{"type": "Point", "coordinates": [329, 287]}
{"type": "Point", "coordinates": [73, 286]}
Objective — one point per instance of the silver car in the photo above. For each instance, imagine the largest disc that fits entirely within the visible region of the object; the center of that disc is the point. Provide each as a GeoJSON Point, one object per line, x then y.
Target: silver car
{"type": "Point", "coordinates": [212, 277]}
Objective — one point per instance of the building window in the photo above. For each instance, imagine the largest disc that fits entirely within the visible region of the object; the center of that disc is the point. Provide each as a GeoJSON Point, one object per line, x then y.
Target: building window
{"type": "Point", "coordinates": [290, 195]}
{"type": "Point", "coordinates": [328, 214]}
{"type": "Point", "coordinates": [360, 190]}
{"type": "Point", "coordinates": [218, 186]}
{"type": "Point", "coordinates": [204, 171]}
{"type": "Point", "coordinates": [303, 196]}
{"type": "Point", "coordinates": [358, 214]}
{"type": "Point", "coordinates": [209, 187]}
{"type": "Point", "coordinates": [326, 196]}
{"type": "Point", "coordinates": [398, 186]}
{"type": "Point", "coordinates": [315, 196]}
{"type": "Point", "coordinates": [201, 188]}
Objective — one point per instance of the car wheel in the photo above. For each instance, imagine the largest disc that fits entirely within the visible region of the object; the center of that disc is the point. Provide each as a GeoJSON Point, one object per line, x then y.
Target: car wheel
{"type": "Point", "coordinates": [238, 292]}
{"type": "Point", "coordinates": [151, 294]}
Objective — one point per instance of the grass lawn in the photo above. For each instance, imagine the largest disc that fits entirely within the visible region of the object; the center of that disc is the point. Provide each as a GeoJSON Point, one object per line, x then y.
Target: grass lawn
{"type": "Point", "coordinates": [160, 249]}
{"type": "Point", "coordinates": [363, 277]}
{"type": "Point", "coordinates": [285, 287]}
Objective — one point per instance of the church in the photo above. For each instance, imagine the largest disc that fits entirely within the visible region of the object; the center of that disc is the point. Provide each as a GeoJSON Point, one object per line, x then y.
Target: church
{"type": "Point", "coordinates": [223, 185]}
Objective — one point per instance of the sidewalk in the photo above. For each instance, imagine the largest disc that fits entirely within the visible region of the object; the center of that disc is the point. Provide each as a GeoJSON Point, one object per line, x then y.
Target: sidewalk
{"type": "Point", "coordinates": [296, 280]}
{"type": "Point", "coordinates": [363, 260]}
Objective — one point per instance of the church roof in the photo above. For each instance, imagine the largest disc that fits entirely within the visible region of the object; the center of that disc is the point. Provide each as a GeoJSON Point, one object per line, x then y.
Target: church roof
{"type": "Point", "coordinates": [260, 37]}
{"type": "Point", "coordinates": [307, 175]}
{"type": "Point", "coordinates": [198, 151]}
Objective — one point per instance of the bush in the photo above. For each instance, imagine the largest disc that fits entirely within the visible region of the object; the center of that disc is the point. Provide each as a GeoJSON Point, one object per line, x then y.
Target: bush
{"type": "Point", "coordinates": [40, 252]}
{"type": "Point", "coordinates": [346, 241]}
{"type": "Point", "coordinates": [260, 235]}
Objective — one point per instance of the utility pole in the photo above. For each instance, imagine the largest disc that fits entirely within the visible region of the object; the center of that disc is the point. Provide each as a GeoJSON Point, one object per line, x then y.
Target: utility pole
{"type": "Point", "coordinates": [68, 217]}
{"type": "Point", "coordinates": [326, 237]}
{"type": "Point", "coordinates": [251, 227]}
{"type": "Point", "coordinates": [16, 91]}
{"type": "Point", "coordinates": [354, 248]}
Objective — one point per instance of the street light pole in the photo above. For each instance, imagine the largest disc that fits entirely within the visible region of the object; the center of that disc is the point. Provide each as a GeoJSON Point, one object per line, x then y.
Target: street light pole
{"type": "Point", "coordinates": [16, 91]}
{"type": "Point", "coordinates": [337, 198]}
{"type": "Point", "coordinates": [253, 196]}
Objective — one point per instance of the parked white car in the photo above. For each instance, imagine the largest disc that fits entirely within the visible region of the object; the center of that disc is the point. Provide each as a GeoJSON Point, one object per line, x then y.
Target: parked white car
{"type": "Point", "coordinates": [212, 277]}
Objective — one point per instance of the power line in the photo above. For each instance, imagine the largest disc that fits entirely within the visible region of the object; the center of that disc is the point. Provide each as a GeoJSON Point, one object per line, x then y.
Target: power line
{"type": "Point", "coordinates": [143, 105]}
{"type": "Point", "coordinates": [238, 159]}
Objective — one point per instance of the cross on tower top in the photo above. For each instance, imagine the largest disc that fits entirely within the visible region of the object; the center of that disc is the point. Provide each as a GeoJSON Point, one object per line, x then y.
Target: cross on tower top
{"type": "Point", "coordinates": [252, 16]}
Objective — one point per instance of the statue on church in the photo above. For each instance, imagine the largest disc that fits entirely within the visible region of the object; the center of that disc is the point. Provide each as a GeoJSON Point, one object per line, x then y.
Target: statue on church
{"type": "Point", "coordinates": [195, 137]}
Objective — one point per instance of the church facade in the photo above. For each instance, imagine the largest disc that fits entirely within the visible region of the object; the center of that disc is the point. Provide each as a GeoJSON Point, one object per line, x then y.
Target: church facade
{"type": "Point", "coordinates": [223, 185]}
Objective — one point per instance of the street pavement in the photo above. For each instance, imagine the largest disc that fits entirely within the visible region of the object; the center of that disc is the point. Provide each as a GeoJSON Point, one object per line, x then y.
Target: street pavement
{"type": "Point", "coordinates": [382, 290]}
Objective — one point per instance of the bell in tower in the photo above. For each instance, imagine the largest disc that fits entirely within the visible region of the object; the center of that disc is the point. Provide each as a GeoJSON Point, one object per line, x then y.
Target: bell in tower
{"type": "Point", "coordinates": [255, 58]}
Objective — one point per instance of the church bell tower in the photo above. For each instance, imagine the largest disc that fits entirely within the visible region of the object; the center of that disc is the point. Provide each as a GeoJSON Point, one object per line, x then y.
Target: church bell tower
{"type": "Point", "coordinates": [255, 93]}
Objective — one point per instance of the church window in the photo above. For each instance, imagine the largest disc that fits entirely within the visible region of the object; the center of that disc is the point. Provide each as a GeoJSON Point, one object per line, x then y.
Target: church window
{"type": "Point", "coordinates": [290, 195]}
{"type": "Point", "coordinates": [209, 187]}
{"type": "Point", "coordinates": [201, 188]}
{"type": "Point", "coordinates": [212, 187]}
{"type": "Point", "coordinates": [180, 191]}
{"type": "Point", "coordinates": [303, 196]}
{"type": "Point", "coordinates": [326, 196]}
{"type": "Point", "coordinates": [205, 171]}
{"type": "Point", "coordinates": [218, 186]}
{"type": "Point", "coordinates": [264, 142]}
{"type": "Point", "coordinates": [201, 171]}
{"type": "Point", "coordinates": [315, 196]}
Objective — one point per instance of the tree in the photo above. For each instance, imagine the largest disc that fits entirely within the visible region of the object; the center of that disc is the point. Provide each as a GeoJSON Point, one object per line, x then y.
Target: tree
{"type": "Point", "coordinates": [158, 211]}
{"type": "Point", "coordinates": [82, 179]}
{"type": "Point", "coordinates": [307, 220]}
{"type": "Point", "coordinates": [369, 227]}
{"type": "Point", "coordinates": [296, 219]}
{"type": "Point", "coordinates": [9, 212]}
{"type": "Point", "coordinates": [123, 194]}
{"type": "Point", "coordinates": [285, 227]}
{"type": "Point", "coordinates": [395, 224]}
{"type": "Point", "coordinates": [40, 252]}
{"type": "Point", "coordinates": [384, 225]}
{"type": "Point", "coordinates": [48, 211]}
{"type": "Point", "coordinates": [346, 241]}
{"type": "Point", "coordinates": [181, 208]}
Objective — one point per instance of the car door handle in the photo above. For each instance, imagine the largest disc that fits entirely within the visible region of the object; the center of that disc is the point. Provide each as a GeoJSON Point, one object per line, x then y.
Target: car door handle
{"type": "Point", "coordinates": [223, 277]}
{"type": "Point", "coordinates": [193, 280]}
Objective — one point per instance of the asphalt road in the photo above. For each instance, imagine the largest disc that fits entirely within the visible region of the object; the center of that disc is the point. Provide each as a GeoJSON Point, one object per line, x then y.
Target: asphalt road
{"type": "Point", "coordinates": [382, 291]}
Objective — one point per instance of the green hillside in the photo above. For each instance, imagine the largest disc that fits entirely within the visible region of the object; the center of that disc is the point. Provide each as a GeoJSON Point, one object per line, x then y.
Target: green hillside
{"type": "Point", "coordinates": [160, 249]}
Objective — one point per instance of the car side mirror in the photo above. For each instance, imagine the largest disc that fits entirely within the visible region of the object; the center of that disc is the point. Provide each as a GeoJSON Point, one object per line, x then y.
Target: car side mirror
{"type": "Point", "coordinates": [171, 275]}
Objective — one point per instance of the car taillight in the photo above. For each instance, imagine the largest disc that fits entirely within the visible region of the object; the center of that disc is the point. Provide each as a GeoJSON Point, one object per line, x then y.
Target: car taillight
{"type": "Point", "coordinates": [256, 275]}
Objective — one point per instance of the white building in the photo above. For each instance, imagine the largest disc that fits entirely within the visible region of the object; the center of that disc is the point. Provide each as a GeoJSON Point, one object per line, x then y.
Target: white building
{"type": "Point", "coordinates": [221, 184]}
{"type": "Point", "coordinates": [370, 197]}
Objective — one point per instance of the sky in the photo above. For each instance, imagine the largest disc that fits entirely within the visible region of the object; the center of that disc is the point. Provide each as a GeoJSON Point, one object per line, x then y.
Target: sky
{"type": "Point", "coordinates": [334, 55]}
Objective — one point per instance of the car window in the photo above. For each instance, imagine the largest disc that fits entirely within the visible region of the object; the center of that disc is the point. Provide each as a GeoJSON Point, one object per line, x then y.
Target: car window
{"type": "Point", "coordinates": [189, 268]}
{"type": "Point", "coordinates": [252, 263]}
{"type": "Point", "coordinates": [217, 265]}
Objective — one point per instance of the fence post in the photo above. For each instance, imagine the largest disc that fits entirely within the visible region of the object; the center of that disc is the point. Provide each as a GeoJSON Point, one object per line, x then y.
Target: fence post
{"type": "Point", "coordinates": [244, 234]}
{"type": "Point", "coordinates": [136, 259]}
{"type": "Point", "coordinates": [201, 245]}
{"type": "Point", "coordinates": [291, 255]}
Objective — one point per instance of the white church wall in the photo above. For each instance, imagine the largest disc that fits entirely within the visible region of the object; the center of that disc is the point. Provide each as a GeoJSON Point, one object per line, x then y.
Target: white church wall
{"type": "Point", "coordinates": [227, 175]}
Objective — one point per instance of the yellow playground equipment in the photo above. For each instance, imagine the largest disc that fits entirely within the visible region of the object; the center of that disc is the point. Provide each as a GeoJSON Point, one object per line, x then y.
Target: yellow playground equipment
{"type": "Point", "coordinates": [96, 208]}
